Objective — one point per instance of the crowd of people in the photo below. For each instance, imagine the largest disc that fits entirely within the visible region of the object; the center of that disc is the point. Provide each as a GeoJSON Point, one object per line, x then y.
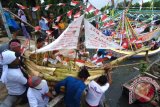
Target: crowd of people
{"type": "Point", "coordinates": [34, 90]}
{"type": "Point", "coordinates": [46, 23]}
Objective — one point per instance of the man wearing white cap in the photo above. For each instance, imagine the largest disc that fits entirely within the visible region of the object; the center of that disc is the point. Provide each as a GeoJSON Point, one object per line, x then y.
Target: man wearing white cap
{"type": "Point", "coordinates": [38, 94]}
{"type": "Point", "coordinates": [12, 77]}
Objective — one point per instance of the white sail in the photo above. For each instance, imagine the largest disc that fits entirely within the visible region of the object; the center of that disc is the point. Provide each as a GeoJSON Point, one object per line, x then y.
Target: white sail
{"type": "Point", "coordinates": [95, 39]}
{"type": "Point", "coordinates": [67, 40]}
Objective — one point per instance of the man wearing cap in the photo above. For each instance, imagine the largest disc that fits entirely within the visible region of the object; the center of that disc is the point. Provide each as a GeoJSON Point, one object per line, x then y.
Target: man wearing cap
{"type": "Point", "coordinates": [12, 77]}
{"type": "Point", "coordinates": [38, 93]}
{"type": "Point", "coordinates": [74, 88]}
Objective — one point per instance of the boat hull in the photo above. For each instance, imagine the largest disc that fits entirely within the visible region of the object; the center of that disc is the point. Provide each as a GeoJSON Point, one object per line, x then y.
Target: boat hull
{"type": "Point", "coordinates": [139, 55]}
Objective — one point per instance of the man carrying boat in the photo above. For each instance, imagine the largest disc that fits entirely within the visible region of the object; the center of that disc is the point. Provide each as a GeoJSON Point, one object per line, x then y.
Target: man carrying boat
{"type": "Point", "coordinates": [74, 88]}
{"type": "Point", "coordinates": [96, 89]}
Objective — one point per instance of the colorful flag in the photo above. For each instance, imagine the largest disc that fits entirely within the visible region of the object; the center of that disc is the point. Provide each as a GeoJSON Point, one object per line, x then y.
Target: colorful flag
{"type": "Point", "coordinates": [49, 32]}
{"type": "Point", "coordinates": [21, 6]}
{"type": "Point", "coordinates": [104, 17]}
{"type": "Point", "coordinates": [74, 3]}
{"type": "Point", "coordinates": [35, 8]}
{"type": "Point", "coordinates": [58, 18]}
{"type": "Point", "coordinates": [96, 12]}
{"type": "Point", "coordinates": [48, 6]}
{"type": "Point", "coordinates": [61, 4]}
{"type": "Point", "coordinates": [90, 8]}
{"type": "Point", "coordinates": [106, 24]}
{"type": "Point", "coordinates": [78, 14]}
{"type": "Point", "coordinates": [69, 14]}
{"type": "Point", "coordinates": [111, 23]}
{"type": "Point", "coordinates": [37, 28]}
{"type": "Point", "coordinates": [80, 7]}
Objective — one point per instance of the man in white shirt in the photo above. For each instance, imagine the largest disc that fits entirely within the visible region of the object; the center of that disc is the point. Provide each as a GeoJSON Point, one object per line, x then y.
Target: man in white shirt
{"type": "Point", "coordinates": [12, 77]}
{"type": "Point", "coordinates": [38, 94]}
{"type": "Point", "coordinates": [96, 89]}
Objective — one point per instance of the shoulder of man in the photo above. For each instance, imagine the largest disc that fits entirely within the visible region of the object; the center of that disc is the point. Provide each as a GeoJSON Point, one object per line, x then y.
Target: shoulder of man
{"type": "Point", "coordinates": [4, 47]}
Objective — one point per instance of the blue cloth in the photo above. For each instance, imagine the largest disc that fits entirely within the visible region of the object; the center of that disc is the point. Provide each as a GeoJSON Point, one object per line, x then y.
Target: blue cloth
{"type": "Point", "coordinates": [43, 25]}
{"type": "Point", "coordinates": [10, 21]}
{"type": "Point", "coordinates": [73, 91]}
{"type": "Point", "coordinates": [107, 32]}
{"type": "Point", "coordinates": [103, 51]}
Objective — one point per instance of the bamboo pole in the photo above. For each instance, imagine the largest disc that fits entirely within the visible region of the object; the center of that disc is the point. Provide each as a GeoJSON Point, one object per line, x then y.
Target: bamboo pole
{"type": "Point", "coordinates": [119, 60]}
{"type": "Point", "coordinates": [5, 22]}
{"type": "Point", "coordinates": [19, 18]}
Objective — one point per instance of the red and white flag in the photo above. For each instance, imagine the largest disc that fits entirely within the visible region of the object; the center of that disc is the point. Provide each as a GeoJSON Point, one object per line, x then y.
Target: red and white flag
{"type": "Point", "coordinates": [80, 7]}
{"type": "Point", "coordinates": [21, 6]}
{"type": "Point", "coordinates": [61, 4]}
{"type": "Point", "coordinates": [58, 18]}
{"type": "Point", "coordinates": [106, 24]}
{"type": "Point", "coordinates": [69, 14]}
{"type": "Point", "coordinates": [48, 6]}
{"type": "Point", "coordinates": [77, 14]}
{"type": "Point", "coordinates": [104, 17]}
{"type": "Point", "coordinates": [90, 8]}
{"type": "Point", "coordinates": [111, 23]}
{"type": "Point", "coordinates": [36, 8]}
{"type": "Point", "coordinates": [55, 27]}
{"type": "Point", "coordinates": [49, 32]}
{"type": "Point", "coordinates": [45, 20]}
{"type": "Point", "coordinates": [37, 28]}
{"type": "Point", "coordinates": [96, 12]}
{"type": "Point", "coordinates": [74, 3]}
{"type": "Point", "coordinates": [97, 60]}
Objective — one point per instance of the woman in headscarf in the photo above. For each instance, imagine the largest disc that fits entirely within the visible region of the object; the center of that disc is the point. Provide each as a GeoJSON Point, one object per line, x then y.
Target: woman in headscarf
{"type": "Point", "coordinates": [23, 18]}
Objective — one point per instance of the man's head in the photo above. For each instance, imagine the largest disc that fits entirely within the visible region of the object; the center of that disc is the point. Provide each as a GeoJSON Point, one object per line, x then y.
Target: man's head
{"type": "Point", "coordinates": [102, 80]}
{"type": "Point", "coordinates": [83, 74]}
{"type": "Point", "coordinates": [15, 45]}
{"type": "Point", "coordinates": [40, 42]}
{"type": "Point", "coordinates": [36, 82]}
